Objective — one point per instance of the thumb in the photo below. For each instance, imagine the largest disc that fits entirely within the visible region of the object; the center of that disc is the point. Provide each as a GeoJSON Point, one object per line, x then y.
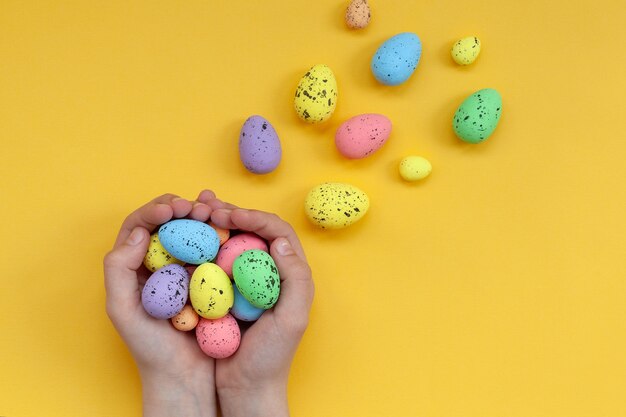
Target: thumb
{"type": "Point", "coordinates": [297, 289]}
{"type": "Point", "coordinates": [120, 272]}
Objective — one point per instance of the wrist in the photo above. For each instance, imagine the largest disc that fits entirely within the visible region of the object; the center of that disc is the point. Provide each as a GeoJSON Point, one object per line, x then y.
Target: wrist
{"type": "Point", "coordinates": [182, 395]}
{"type": "Point", "coordinates": [269, 400]}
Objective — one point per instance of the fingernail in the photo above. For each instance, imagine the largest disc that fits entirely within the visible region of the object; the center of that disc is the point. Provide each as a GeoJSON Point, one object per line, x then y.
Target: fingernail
{"type": "Point", "coordinates": [135, 237]}
{"type": "Point", "coordinates": [283, 247]}
{"type": "Point", "coordinates": [177, 199]}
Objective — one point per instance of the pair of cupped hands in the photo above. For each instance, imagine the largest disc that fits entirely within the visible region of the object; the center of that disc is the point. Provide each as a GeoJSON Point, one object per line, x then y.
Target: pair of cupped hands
{"type": "Point", "coordinates": [178, 379]}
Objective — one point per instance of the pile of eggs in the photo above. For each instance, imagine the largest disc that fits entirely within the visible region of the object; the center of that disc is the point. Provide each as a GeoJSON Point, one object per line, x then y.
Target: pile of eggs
{"type": "Point", "coordinates": [192, 264]}
{"type": "Point", "coordinates": [336, 205]}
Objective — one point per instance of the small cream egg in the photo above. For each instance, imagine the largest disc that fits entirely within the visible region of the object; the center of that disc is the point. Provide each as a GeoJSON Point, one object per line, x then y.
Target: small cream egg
{"type": "Point", "coordinates": [413, 168]}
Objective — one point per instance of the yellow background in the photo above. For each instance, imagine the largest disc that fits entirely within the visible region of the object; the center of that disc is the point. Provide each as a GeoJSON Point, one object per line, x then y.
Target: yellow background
{"type": "Point", "coordinates": [494, 288]}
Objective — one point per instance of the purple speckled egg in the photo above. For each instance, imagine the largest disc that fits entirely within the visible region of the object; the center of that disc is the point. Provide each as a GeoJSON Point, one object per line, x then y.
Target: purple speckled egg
{"type": "Point", "coordinates": [259, 146]}
{"type": "Point", "coordinates": [362, 135]}
{"type": "Point", "coordinates": [165, 292]}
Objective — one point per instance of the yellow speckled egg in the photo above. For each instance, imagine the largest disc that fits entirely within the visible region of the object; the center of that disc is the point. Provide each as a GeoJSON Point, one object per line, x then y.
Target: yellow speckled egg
{"type": "Point", "coordinates": [335, 205]}
{"type": "Point", "coordinates": [466, 50]}
{"type": "Point", "coordinates": [211, 291]}
{"type": "Point", "coordinates": [157, 257]}
{"type": "Point", "coordinates": [316, 95]}
{"type": "Point", "coordinates": [413, 168]}
{"type": "Point", "coordinates": [186, 320]}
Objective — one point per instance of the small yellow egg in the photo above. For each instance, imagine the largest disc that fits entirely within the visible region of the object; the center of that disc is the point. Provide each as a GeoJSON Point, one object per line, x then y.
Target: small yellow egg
{"type": "Point", "coordinates": [466, 50]}
{"type": "Point", "coordinates": [413, 168]}
{"type": "Point", "coordinates": [186, 320]}
{"type": "Point", "coordinates": [157, 257]}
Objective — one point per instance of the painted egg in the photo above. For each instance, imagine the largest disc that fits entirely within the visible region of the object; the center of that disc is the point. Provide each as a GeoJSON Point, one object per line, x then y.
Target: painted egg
{"type": "Point", "coordinates": [259, 146]}
{"type": "Point", "coordinates": [242, 309]}
{"type": "Point", "coordinates": [335, 205]}
{"type": "Point", "coordinates": [362, 135]}
{"type": "Point", "coordinates": [235, 246]}
{"type": "Point", "coordinates": [189, 240]}
{"type": "Point", "coordinates": [186, 320]}
{"type": "Point", "coordinates": [396, 59]}
{"type": "Point", "coordinates": [257, 279]}
{"type": "Point", "coordinates": [218, 338]}
{"type": "Point", "coordinates": [413, 168]}
{"type": "Point", "coordinates": [466, 50]}
{"type": "Point", "coordinates": [358, 14]}
{"type": "Point", "coordinates": [211, 291]}
{"type": "Point", "coordinates": [222, 234]}
{"type": "Point", "coordinates": [165, 292]}
{"type": "Point", "coordinates": [478, 116]}
{"type": "Point", "coordinates": [316, 95]}
{"type": "Point", "coordinates": [157, 257]}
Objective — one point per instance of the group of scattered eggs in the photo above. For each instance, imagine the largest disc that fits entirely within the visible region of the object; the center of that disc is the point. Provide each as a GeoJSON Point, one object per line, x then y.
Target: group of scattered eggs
{"type": "Point", "coordinates": [338, 205]}
{"type": "Point", "coordinates": [192, 264]}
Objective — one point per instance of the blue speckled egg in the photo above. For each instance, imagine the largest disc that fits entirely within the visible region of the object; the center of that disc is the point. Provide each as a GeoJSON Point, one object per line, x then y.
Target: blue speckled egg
{"type": "Point", "coordinates": [242, 309]}
{"type": "Point", "coordinates": [165, 292]}
{"type": "Point", "coordinates": [259, 146]}
{"type": "Point", "coordinates": [190, 241]}
{"type": "Point", "coordinates": [396, 59]}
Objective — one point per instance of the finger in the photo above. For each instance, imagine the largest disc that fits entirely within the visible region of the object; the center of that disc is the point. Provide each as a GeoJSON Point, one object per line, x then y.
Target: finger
{"type": "Point", "coordinates": [200, 212]}
{"type": "Point", "coordinates": [205, 195]}
{"type": "Point", "coordinates": [267, 225]}
{"type": "Point", "coordinates": [221, 218]}
{"type": "Point", "coordinates": [297, 288]}
{"type": "Point", "coordinates": [181, 207]}
{"type": "Point", "coordinates": [120, 273]}
{"type": "Point", "coordinates": [148, 216]}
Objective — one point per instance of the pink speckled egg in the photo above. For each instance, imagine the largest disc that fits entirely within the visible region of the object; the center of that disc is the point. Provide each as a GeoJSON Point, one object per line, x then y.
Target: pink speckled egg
{"type": "Point", "coordinates": [235, 246]}
{"type": "Point", "coordinates": [362, 135]}
{"type": "Point", "coordinates": [218, 338]}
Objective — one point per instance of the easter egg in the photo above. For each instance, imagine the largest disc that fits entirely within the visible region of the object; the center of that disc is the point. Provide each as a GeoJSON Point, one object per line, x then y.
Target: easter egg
{"type": "Point", "coordinates": [222, 234]}
{"type": "Point", "coordinates": [413, 168]}
{"type": "Point", "coordinates": [316, 95]}
{"type": "Point", "coordinates": [257, 279]}
{"type": "Point", "coordinates": [466, 50]}
{"type": "Point", "coordinates": [358, 14]}
{"type": "Point", "coordinates": [190, 241]}
{"type": "Point", "coordinates": [259, 146]}
{"type": "Point", "coordinates": [218, 338]}
{"type": "Point", "coordinates": [362, 135]}
{"type": "Point", "coordinates": [335, 205]}
{"type": "Point", "coordinates": [157, 257]}
{"type": "Point", "coordinates": [478, 115]}
{"type": "Point", "coordinates": [165, 293]}
{"type": "Point", "coordinates": [211, 291]}
{"type": "Point", "coordinates": [395, 59]}
{"type": "Point", "coordinates": [235, 246]}
{"type": "Point", "coordinates": [186, 320]}
{"type": "Point", "coordinates": [242, 309]}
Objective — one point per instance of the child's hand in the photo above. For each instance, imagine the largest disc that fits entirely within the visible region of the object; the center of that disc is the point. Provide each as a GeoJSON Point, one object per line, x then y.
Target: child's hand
{"type": "Point", "coordinates": [177, 378]}
{"type": "Point", "coordinates": [254, 380]}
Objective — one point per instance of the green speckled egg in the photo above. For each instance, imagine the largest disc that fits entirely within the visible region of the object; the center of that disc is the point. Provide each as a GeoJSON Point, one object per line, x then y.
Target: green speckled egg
{"type": "Point", "coordinates": [477, 117]}
{"type": "Point", "coordinates": [335, 205]}
{"type": "Point", "coordinates": [256, 278]}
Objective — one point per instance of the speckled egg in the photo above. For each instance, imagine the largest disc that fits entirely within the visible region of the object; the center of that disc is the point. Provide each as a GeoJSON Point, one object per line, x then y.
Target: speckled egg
{"type": "Point", "coordinates": [211, 291]}
{"type": "Point", "coordinates": [218, 338]}
{"type": "Point", "coordinates": [235, 246]}
{"type": "Point", "coordinates": [478, 116]}
{"type": "Point", "coordinates": [242, 309]}
{"type": "Point", "coordinates": [316, 95]}
{"type": "Point", "coordinates": [186, 320]}
{"type": "Point", "coordinates": [222, 234]}
{"type": "Point", "coordinates": [466, 50]}
{"type": "Point", "coordinates": [396, 59]}
{"type": "Point", "coordinates": [362, 135]}
{"type": "Point", "coordinates": [257, 279]}
{"type": "Point", "coordinates": [413, 168]}
{"type": "Point", "coordinates": [335, 205]}
{"type": "Point", "coordinates": [157, 257]}
{"type": "Point", "coordinates": [358, 14]}
{"type": "Point", "coordinates": [165, 292]}
{"type": "Point", "coordinates": [259, 146]}
{"type": "Point", "coordinates": [189, 240]}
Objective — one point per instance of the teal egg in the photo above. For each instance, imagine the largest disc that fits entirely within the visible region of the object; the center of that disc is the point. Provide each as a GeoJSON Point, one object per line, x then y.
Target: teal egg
{"type": "Point", "coordinates": [477, 117]}
{"type": "Point", "coordinates": [257, 279]}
